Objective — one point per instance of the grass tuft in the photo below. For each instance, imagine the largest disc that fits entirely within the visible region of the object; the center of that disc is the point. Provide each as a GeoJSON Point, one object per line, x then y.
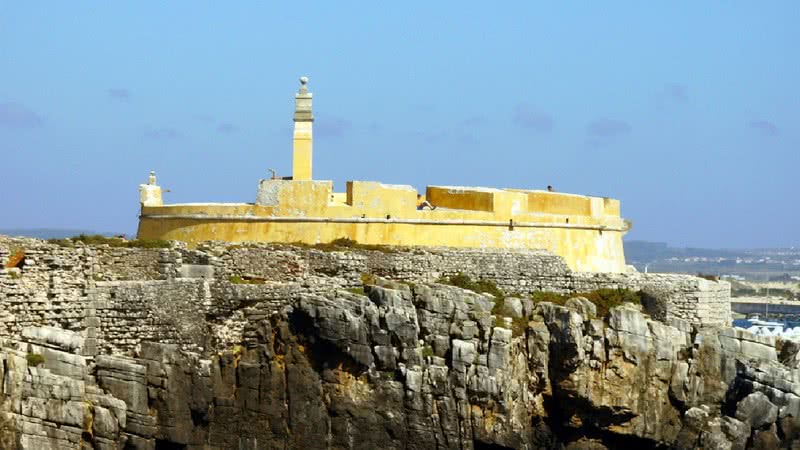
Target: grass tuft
{"type": "Point", "coordinates": [345, 244]}
{"type": "Point", "coordinates": [479, 286]}
{"type": "Point", "coordinates": [96, 239]}
{"type": "Point", "coordinates": [237, 279]}
{"type": "Point", "coordinates": [604, 299]}
{"type": "Point", "coordinates": [34, 359]}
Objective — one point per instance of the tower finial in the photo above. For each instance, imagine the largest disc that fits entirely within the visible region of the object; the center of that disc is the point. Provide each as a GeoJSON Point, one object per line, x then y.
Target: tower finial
{"type": "Point", "coordinates": [302, 105]}
{"type": "Point", "coordinates": [303, 87]}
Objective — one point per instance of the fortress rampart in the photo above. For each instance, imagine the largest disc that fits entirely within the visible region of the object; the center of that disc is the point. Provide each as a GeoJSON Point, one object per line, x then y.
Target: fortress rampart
{"type": "Point", "coordinates": [585, 231]}
{"type": "Point", "coordinates": [118, 298]}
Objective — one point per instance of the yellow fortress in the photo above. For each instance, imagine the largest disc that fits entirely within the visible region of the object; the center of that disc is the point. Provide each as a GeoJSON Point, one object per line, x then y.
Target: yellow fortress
{"type": "Point", "coordinates": [586, 231]}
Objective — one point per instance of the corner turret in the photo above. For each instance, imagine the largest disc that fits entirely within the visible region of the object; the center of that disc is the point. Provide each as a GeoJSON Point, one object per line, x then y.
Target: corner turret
{"type": "Point", "coordinates": [303, 120]}
{"type": "Point", "coordinates": [150, 193]}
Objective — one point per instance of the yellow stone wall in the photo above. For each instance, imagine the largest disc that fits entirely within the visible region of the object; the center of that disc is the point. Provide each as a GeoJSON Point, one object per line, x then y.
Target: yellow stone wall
{"type": "Point", "coordinates": [586, 231]}
{"type": "Point", "coordinates": [302, 156]}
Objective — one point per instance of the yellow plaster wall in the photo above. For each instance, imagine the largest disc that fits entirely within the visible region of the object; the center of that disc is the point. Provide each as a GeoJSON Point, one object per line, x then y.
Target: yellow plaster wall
{"type": "Point", "coordinates": [302, 155]}
{"type": "Point", "coordinates": [510, 203]}
{"type": "Point", "coordinates": [470, 199]}
{"type": "Point", "coordinates": [558, 203]}
{"type": "Point", "coordinates": [378, 199]}
{"type": "Point", "coordinates": [583, 250]}
{"type": "Point", "coordinates": [611, 207]}
{"type": "Point", "coordinates": [302, 211]}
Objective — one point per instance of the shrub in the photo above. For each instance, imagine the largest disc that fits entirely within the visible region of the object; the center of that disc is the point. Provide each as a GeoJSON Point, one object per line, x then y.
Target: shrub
{"type": "Point", "coordinates": [237, 279]}
{"type": "Point", "coordinates": [604, 299]}
{"type": "Point", "coordinates": [707, 276]}
{"type": "Point", "coordinates": [552, 297]}
{"type": "Point", "coordinates": [518, 326]}
{"type": "Point", "coordinates": [342, 244]}
{"type": "Point", "coordinates": [148, 243]}
{"type": "Point", "coordinates": [480, 286]}
{"type": "Point", "coordinates": [34, 359]}
{"type": "Point", "coordinates": [427, 351]}
{"type": "Point", "coordinates": [62, 242]}
{"type": "Point", "coordinates": [96, 239]}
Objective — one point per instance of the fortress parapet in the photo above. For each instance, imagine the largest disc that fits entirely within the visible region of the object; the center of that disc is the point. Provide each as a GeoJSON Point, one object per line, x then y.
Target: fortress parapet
{"type": "Point", "coordinates": [586, 231]}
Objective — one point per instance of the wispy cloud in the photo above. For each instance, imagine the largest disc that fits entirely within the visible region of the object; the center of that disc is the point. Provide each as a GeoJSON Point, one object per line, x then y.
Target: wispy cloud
{"type": "Point", "coordinates": [430, 137]}
{"type": "Point", "coordinates": [474, 121]}
{"type": "Point", "coordinates": [527, 117]}
{"type": "Point", "coordinates": [162, 134]}
{"type": "Point", "coordinates": [765, 127]}
{"type": "Point", "coordinates": [14, 115]}
{"type": "Point", "coordinates": [119, 94]}
{"type": "Point", "coordinates": [331, 126]}
{"type": "Point", "coordinates": [607, 128]}
{"type": "Point", "coordinates": [676, 92]}
{"type": "Point", "coordinates": [227, 128]}
{"type": "Point", "coordinates": [423, 107]}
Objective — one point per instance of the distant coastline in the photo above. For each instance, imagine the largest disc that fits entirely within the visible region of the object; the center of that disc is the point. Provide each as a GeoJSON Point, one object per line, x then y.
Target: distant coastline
{"type": "Point", "coordinates": [54, 233]}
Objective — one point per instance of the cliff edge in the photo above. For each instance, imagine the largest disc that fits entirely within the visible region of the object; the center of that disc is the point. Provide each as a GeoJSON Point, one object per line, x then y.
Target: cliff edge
{"type": "Point", "coordinates": [273, 347]}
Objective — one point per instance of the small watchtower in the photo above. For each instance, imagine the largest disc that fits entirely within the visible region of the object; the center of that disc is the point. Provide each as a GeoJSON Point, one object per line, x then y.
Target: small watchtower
{"type": "Point", "coordinates": [303, 121]}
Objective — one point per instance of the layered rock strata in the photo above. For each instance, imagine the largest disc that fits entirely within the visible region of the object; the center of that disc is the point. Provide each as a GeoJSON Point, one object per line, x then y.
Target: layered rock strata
{"type": "Point", "coordinates": [410, 366]}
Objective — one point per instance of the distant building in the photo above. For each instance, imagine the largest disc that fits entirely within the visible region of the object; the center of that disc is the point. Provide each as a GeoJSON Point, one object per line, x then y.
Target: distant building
{"type": "Point", "coordinates": [586, 231]}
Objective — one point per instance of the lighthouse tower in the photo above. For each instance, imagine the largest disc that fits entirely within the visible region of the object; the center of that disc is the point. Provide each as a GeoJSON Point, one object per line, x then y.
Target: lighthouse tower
{"type": "Point", "coordinates": [303, 120]}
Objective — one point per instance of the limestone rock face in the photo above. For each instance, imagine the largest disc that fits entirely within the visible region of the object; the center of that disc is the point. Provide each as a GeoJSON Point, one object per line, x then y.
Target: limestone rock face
{"type": "Point", "coordinates": [756, 410]}
{"type": "Point", "coordinates": [584, 307]}
{"type": "Point", "coordinates": [413, 367]}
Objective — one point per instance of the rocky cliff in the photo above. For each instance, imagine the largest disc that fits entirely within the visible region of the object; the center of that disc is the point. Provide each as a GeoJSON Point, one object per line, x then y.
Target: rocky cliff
{"type": "Point", "coordinates": [422, 366]}
{"type": "Point", "coordinates": [252, 348]}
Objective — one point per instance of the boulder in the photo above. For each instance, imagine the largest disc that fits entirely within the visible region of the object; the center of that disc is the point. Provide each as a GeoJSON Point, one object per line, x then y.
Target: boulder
{"type": "Point", "coordinates": [512, 307]}
{"type": "Point", "coordinates": [756, 410]}
{"type": "Point", "coordinates": [583, 306]}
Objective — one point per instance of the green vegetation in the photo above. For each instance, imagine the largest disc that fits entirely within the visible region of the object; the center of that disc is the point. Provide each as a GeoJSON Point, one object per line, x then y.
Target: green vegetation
{"type": "Point", "coordinates": [15, 275]}
{"type": "Point", "coordinates": [34, 359]}
{"type": "Point", "coordinates": [96, 239]}
{"type": "Point", "coordinates": [551, 297]}
{"type": "Point", "coordinates": [237, 279]}
{"type": "Point", "coordinates": [427, 351]}
{"type": "Point", "coordinates": [604, 299]}
{"type": "Point", "coordinates": [740, 289]}
{"type": "Point", "coordinates": [368, 279]}
{"type": "Point", "coordinates": [480, 286]}
{"type": "Point", "coordinates": [357, 291]}
{"type": "Point", "coordinates": [345, 244]}
{"type": "Point", "coordinates": [518, 324]}
{"type": "Point", "coordinates": [708, 276]}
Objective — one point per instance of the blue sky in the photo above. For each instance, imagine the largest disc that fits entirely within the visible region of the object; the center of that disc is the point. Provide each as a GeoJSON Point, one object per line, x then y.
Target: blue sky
{"type": "Point", "coordinates": [685, 111]}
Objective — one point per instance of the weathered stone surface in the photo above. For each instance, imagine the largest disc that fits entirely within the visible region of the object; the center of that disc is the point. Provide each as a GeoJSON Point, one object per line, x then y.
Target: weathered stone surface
{"type": "Point", "coordinates": [585, 308]}
{"type": "Point", "coordinates": [512, 307]}
{"type": "Point", "coordinates": [291, 356]}
{"type": "Point", "coordinates": [756, 410]}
